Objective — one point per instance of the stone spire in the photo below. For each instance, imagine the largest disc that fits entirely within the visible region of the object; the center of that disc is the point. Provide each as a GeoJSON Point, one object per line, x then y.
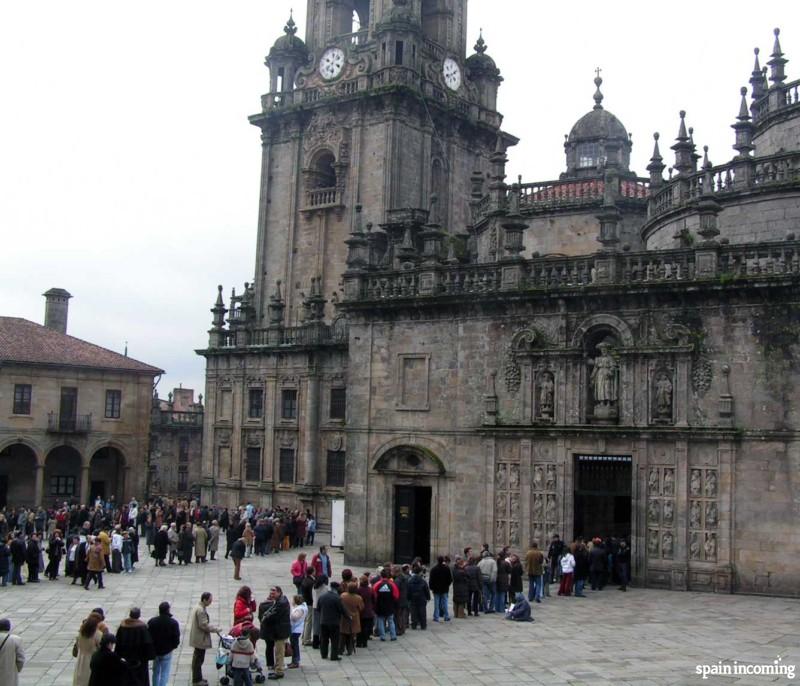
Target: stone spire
{"type": "Point", "coordinates": [757, 89]}
{"type": "Point", "coordinates": [743, 128]}
{"type": "Point", "coordinates": [683, 149]}
{"type": "Point", "coordinates": [777, 62]}
{"type": "Point", "coordinates": [656, 166]}
{"type": "Point", "coordinates": [598, 95]}
{"type": "Point", "coordinates": [695, 155]}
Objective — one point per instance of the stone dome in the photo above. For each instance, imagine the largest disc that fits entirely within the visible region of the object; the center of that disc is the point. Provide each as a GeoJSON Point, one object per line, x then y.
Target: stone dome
{"type": "Point", "coordinates": [598, 123]}
{"type": "Point", "coordinates": [479, 61]}
{"type": "Point", "coordinates": [289, 42]}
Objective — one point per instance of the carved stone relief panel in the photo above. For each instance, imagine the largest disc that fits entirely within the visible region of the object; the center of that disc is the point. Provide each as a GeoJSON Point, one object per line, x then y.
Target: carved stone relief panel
{"type": "Point", "coordinates": [662, 393]}
{"type": "Point", "coordinates": [661, 513]}
{"type": "Point", "coordinates": [507, 499]}
{"type": "Point", "coordinates": [703, 514]}
{"type": "Point", "coordinates": [544, 498]}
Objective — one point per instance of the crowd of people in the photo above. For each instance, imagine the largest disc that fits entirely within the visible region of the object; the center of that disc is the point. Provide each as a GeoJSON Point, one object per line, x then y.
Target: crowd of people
{"type": "Point", "coordinates": [336, 615]}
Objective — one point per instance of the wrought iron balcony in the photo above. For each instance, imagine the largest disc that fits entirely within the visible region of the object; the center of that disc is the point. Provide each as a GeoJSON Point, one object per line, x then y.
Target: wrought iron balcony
{"type": "Point", "coordinates": [69, 424]}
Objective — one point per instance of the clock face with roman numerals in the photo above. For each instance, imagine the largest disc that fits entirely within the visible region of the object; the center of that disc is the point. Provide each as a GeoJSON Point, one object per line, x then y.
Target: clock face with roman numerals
{"type": "Point", "coordinates": [331, 63]}
{"type": "Point", "coordinates": [452, 74]}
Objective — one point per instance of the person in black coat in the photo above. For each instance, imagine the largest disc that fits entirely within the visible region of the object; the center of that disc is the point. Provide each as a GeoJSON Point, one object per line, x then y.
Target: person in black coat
{"type": "Point", "coordinates": [160, 546]}
{"type": "Point", "coordinates": [439, 581]}
{"type": "Point", "coordinates": [5, 561]}
{"type": "Point", "coordinates": [32, 558]}
{"type": "Point", "coordinates": [460, 589]}
{"type": "Point", "coordinates": [276, 627]}
{"type": "Point", "coordinates": [475, 583]}
{"type": "Point", "coordinates": [581, 569]}
{"type": "Point", "coordinates": [107, 666]}
{"type": "Point", "coordinates": [18, 555]}
{"type": "Point", "coordinates": [597, 565]}
{"type": "Point", "coordinates": [418, 596]}
{"type": "Point", "coordinates": [331, 611]}
{"type": "Point", "coordinates": [135, 644]}
{"type": "Point", "coordinates": [166, 635]}
{"type": "Point", "coordinates": [185, 544]}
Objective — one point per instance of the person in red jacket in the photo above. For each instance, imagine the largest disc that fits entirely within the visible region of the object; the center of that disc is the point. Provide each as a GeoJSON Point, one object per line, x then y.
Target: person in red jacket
{"type": "Point", "coordinates": [298, 570]}
{"type": "Point", "coordinates": [321, 562]}
{"type": "Point", "coordinates": [244, 606]}
{"type": "Point", "coordinates": [386, 595]}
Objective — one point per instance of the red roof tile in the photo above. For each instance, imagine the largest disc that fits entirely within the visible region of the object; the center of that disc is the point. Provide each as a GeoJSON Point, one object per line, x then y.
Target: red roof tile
{"type": "Point", "coordinates": [25, 342]}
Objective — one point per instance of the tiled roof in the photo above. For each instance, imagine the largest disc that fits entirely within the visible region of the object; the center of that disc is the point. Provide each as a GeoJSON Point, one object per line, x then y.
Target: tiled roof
{"type": "Point", "coordinates": [25, 342]}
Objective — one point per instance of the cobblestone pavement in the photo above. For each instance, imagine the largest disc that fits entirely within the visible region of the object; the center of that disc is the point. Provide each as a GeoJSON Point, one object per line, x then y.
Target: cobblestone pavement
{"type": "Point", "coordinates": [640, 637]}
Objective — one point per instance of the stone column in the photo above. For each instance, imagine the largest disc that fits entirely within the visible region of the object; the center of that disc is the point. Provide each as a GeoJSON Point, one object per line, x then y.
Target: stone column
{"type": "Point", "coordinates": [38, 491]}
{"type": "Point", "coordinates": [85, 484]}
{"type": "Point", "coordinates": [310, 437]}
{"type": "Point", "coordinates": [126, 479]}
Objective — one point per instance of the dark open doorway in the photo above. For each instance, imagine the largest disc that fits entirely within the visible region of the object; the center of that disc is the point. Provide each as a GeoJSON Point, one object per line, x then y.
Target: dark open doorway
{"type": "Point", "coordinates": [602, 496]}
{"type": "Point", "coordinates": [412, 523]}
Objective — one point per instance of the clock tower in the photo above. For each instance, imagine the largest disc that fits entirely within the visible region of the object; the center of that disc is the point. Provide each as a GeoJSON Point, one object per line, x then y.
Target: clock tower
{"type": "Point", "coordinates": [378, 109]}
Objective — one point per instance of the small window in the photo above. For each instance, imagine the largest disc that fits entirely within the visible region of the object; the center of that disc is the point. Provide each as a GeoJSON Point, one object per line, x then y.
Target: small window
{"type": "Point", "coordinates": [183, 478]}
{"type": "Point", "coordinates": [113, 404]}
{"type": "Point", "coordinates": [255, 405]}
{"type": "Point", "coordinates": [335, 468]}
{"type": "Point", "coordinates": [588, 155]}
{"type": "Point", "coordinates": [252, 464]}
{"type": "Point", "coordinates": [338, 403]}
{"type": "Point", "coordinates": [62, 485]}
{"type": "Point", "coordinates": [22, 398]}
{"type": "Point", "coordinates": [183, 449]}
{"type": "Point", "coordinates": [286, 466]}
{"type": "Point", "coordinates": [288, 403]}
{"type": "Point", "coordinates": [398, 52]}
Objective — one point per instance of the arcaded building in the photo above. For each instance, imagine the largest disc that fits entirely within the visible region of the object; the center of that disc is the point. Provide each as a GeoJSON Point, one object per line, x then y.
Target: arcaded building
{"type": "Point", "coordinates": [74, 417]}
{"type": "Point", "coordinates": [467, 360]}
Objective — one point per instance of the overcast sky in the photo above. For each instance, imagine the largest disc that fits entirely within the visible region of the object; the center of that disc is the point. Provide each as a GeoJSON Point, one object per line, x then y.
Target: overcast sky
{"type": "Point", "coordinates": [129, 173]}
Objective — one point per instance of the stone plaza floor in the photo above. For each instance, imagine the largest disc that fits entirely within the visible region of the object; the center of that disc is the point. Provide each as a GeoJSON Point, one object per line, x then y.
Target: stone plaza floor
{"type": "Point", "coordinates": [640, 637]}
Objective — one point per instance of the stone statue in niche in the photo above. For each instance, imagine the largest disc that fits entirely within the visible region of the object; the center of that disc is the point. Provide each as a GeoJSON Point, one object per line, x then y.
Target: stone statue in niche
{"type": "Point", "coordinates": [652, 481]}
{"type": "Point", "coordinates": [710, 546]}
{"type": "Point", "coordinates": [500, 504]}
{"type": "Point", "coordinates": [694, 546]}
{"type": "Point", "coordinates": [669, 482]}
{"type": "Point", "coordinates": [652, 543]}
{"type": "Point", "coordinates": [711, 483]}
{"type": "Point", "coordinates": [694, 515]}
{"type": "Point", "coordinates": [514, 507]}
{"type": "Point", "coordinates": [538, 477]}
{"type": "Point", "coordinates": [500, 479]}
{"type": "Point", "coordinates": [538, 507]}
{"type": "Point", "coordinates": [711, 515]}
{"type": "Point", "coordinates": [513, 533]}
{"type": "Point", "coordinates": [550, 483]}
{"type": "Point", "coordinates": [652, 511]}
{"type": "Point", "coordinates": [663, 396]}
{"type": "Point", "coordinates": [547, 388]}
{"type": "Point", "coordinates": [604, 382]}
{"type": "Point", "coordinates": [551, 508]}
{"type": "Point", "coordinates": [513, 476]}
{"type": "Point", "coordinates": [669, 512]}
{"type": "Point", "coordinates": [695, 480]}
{"type": "Point", "coordinates": [500, 532]}
{"type": "Point", "coordinates": [537, 533]}
{"type": "Point", "coordinates": [666, 544]}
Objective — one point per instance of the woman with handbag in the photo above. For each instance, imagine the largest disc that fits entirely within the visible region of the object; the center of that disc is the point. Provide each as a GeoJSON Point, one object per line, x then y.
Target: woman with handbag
{"type": "Point", "coordinates": [298, 571]}
{"type": "Point", "coordinates": [86, 644]}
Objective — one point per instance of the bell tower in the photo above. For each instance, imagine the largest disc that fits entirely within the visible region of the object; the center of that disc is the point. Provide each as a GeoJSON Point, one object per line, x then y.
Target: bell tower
{"type": "Point", "coordinates": [379, 108]}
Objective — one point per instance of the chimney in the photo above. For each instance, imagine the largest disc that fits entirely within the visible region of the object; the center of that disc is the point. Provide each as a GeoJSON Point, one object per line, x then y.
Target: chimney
{"type": "Point", "coordinates": [56, 308]}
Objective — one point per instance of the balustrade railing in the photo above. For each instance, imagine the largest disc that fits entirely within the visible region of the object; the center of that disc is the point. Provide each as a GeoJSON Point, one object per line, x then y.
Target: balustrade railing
{"type": "Point", "coordinates": [69, 423]}
{"type": "Point", "coordinates": [601, 269]}
{"type": "Point", "coordinates": [170, 418]}
{"type": "Point", "coordinates": [322, 197]}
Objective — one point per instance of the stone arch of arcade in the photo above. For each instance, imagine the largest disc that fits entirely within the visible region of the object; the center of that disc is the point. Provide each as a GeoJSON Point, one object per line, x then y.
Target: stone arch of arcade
{"type": "Point", "coordinates": [20, 470]}
{"type": "Point", "coordinates": [62, 478]}
{"type": "Point", "coordinates": [107, 473]}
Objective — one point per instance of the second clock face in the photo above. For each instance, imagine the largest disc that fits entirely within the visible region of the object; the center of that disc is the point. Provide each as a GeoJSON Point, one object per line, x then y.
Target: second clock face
{"type": "Point", "coordinates": [452, 74]}
{"type": "Point", "coordinates": [331, 63]}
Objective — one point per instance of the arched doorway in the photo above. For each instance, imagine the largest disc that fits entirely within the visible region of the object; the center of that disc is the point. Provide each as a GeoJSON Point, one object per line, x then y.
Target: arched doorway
{"type": "Point", "coordinates": [415, 473]}
{"type": "Point", "coordinates": [62, 475]}
{"type": "Point", "coordinates": [107, 474]}
{"type": "Point", "coordinates": [17, 476]}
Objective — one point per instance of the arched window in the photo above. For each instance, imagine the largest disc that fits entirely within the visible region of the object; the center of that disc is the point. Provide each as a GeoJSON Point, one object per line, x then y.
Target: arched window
{"type": "Point", "coordinates": [323, 171]}
{"type": "Point", "coordinates": [360, 15]}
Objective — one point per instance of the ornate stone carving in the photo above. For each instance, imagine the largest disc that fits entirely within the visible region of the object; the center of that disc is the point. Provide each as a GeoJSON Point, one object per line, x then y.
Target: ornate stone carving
{"type": "Point", "coordinates": [669, 482]}
{"type": "Point", "coordinates": [662, 396]}
{"type": "Point", "coordinates": [666, 544]}
{"type": "Point", "coordinates": [500, 477]}
{"type": "Point", "coordinates": [711, 515]}
{"type": "Point", "coordinates": [701, 374]}
{"type": "Point", "coordinates": [336, 442]}
{"type": "Point", "coordinates": [711, 483]}
{"type": "Point", "coordinates": [551, 512]}
{"type": "Point", "coordinates": [223, 437]}
{"type": "Point", "coordinates": [253, 438]}
{"type": "Point", "coordinates": [550, 483]}
{"type": "Point", "coordinates": [695, 514]}
{"type": "Point", "coordinates": [652, 542]}
{"type": "Point", "coordinates": [605, 382]}
{"type": "Point", "coordinates": [695, 482]}
{"type": "Point", "coordinates": [538, 507]}
{"type": "Point", "coordinates": [513, 476]}
{"type": "Point", "coordinates": [513, 507]}
{"type": "Point", "coordinates": [511, 370]}
{"type": "Point", "coordinates": [513, 533]}
{"type": "Point", "coordinates": [545, 395]}
{"type": "Point", "coordinates": [652, 482]}
{"type": "Point", "coordinates": [710, 547]}
{"type": "Point", "coordinates": [500, 504]}
{"type": "Point", "coordinates": [538, 477]}
{"type": "Point", "coordinates": [653, 507]}
{"type": "Point", "coordinates": [669, 512]}
{"type": "Point", "coordinates": [694, 546]}
{"type": "Point", "coordinates": [287, 439]}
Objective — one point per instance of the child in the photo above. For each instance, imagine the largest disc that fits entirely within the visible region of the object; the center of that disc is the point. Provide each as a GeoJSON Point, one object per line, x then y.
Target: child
{"type": "Point", "coordinates": [298, 619]}
{"type": "Point", "coordinates": [242, 652]}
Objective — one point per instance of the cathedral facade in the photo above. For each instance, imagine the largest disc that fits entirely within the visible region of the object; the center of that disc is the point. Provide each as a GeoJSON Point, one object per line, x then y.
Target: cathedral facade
{"type": "Point", "coordinates": [464, 359]}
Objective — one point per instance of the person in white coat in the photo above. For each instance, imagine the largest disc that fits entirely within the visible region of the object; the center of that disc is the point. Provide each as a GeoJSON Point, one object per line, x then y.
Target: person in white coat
{"type": "Point", "coordinates": [12, 655]}
{"type": "Point", "coordinates": [567, 572]}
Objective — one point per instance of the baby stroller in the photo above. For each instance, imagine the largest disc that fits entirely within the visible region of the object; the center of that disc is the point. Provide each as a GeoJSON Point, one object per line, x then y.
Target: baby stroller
{"type": "Point", "coordinates": [223, 660]}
